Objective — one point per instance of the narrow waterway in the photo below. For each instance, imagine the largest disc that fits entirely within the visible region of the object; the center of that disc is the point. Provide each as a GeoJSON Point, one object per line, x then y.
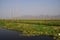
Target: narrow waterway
{"type": "Point", "coordinates": [14, 35]}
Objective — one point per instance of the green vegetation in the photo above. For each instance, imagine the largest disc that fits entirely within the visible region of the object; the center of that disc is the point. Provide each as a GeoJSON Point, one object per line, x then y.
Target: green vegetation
{"type": "Point", "coordinates": [32, 27]}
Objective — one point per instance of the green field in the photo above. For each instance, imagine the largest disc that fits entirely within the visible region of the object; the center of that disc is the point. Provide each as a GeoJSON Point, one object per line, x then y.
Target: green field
{"type": "Point", "coordinates": [33, 27]}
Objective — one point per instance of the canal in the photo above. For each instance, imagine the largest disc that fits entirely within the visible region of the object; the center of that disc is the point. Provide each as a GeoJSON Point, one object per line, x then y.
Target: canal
{"type": "Point", "coordinates": [14, 35]}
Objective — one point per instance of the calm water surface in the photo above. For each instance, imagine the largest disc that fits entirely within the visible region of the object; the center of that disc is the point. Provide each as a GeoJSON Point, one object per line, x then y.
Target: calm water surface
{"type": "Point", "coordinates": [14, 35]}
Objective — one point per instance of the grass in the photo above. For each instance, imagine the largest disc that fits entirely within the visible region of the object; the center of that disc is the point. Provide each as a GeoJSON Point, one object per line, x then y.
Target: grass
{"type": "Point", "coordinates": [32, 27]}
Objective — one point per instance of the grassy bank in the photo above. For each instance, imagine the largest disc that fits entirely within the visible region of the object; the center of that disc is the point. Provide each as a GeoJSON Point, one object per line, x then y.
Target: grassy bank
{"type": "Point", "coordinates": [33, 27]}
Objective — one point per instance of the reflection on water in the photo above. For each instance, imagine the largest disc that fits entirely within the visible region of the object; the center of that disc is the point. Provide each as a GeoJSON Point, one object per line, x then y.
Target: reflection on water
{"type": "Point", "coordinates": [13, 35]}
{"type": "Point", "coordinates": [8, 34]}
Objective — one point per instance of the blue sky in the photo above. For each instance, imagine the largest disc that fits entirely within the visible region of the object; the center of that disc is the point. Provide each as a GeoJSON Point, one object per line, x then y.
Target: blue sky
{"type": "Point", "coordinates": [18, 8]}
